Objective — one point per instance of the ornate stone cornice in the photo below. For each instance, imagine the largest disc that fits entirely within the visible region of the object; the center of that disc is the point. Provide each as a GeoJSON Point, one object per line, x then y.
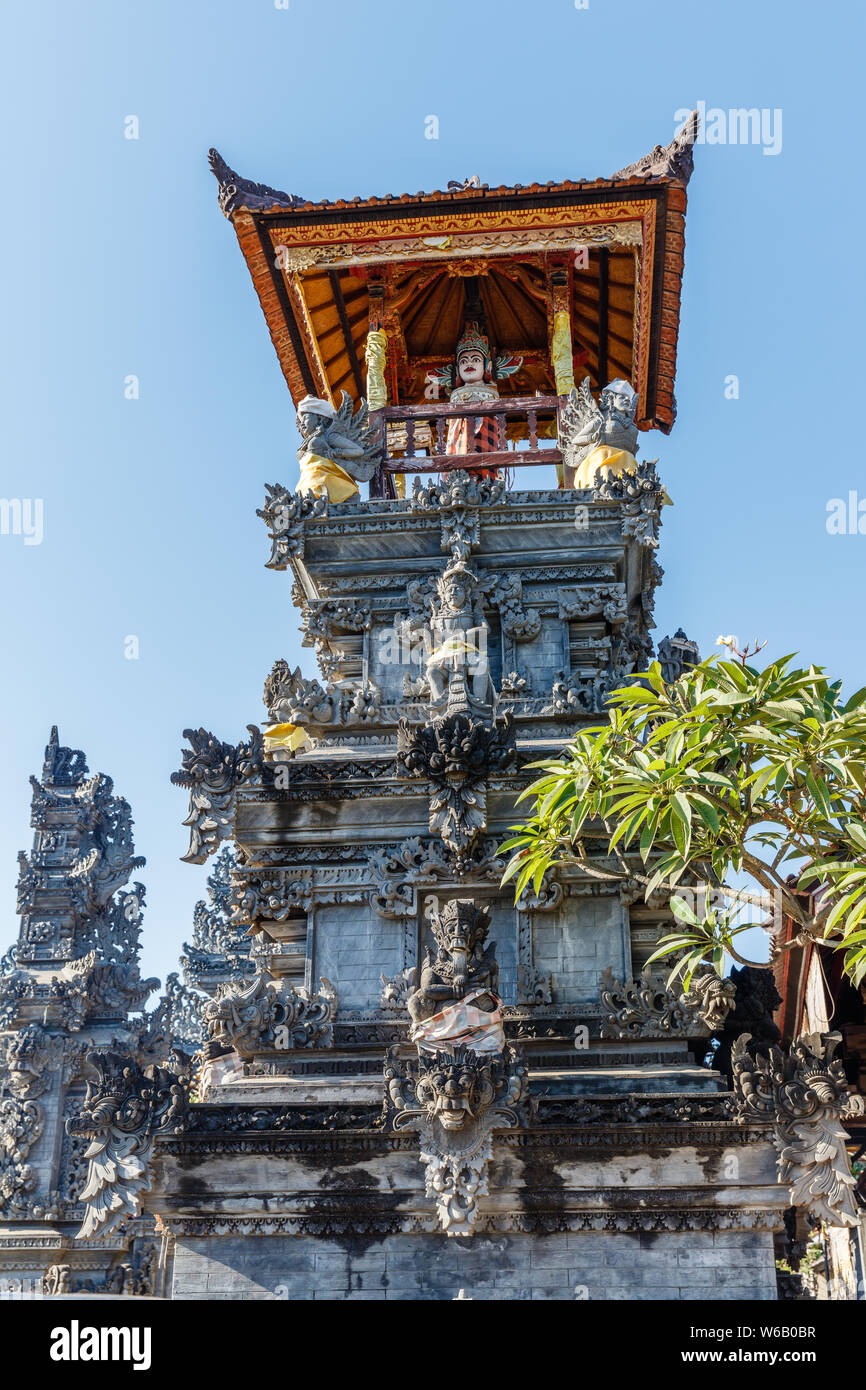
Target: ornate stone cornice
{"type": "Point", "coordinates": [260, 1015]}
{"type": "Point", "coordinates": [641, 494]}
{"type": "Point", "coordinates": [707, 1117]}
{"type": "Point", "coordinates": [354, 1219]}
{"type": "Point", "coordinates": [211, 771]}
{"type": "Point", "coordinates": [285, 514]}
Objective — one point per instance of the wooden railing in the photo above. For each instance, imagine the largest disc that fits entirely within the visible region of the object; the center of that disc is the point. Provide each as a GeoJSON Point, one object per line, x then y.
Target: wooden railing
{"type": "Point", "coordinates": [415, 437]}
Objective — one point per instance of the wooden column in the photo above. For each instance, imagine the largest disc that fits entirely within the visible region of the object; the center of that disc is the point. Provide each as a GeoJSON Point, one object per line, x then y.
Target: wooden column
{"type": "Point", "coordinates": [561, 341]}
{"type": "Point", "coordinates": [603, 270]}
{"type": "Point", "coordinates": [381, 483]}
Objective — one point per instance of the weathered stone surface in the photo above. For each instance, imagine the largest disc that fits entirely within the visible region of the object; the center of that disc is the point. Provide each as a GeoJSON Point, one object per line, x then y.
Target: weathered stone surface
{"type": "Point", "coordinates": [585, 1265]}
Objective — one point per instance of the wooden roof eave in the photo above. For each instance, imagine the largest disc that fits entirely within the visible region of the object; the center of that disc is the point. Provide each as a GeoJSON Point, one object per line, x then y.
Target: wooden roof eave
{"type": "Point", "coordinates": [276, 306]}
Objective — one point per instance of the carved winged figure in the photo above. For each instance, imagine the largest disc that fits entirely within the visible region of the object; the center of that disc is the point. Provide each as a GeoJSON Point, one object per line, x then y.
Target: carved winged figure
{"type": "Point", "coordinates": [338, 448]}
{"type": "Point", "coordinates": [602, 436]}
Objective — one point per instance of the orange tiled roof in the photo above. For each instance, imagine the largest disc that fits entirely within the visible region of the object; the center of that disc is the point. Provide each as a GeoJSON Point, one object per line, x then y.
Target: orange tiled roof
{"type": "Point", "coordinates": [626, 297]}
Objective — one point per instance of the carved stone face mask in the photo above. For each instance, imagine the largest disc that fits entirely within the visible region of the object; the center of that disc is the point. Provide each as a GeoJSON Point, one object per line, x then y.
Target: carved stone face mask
{"type": "Point", "coordinates": [455, 1091]}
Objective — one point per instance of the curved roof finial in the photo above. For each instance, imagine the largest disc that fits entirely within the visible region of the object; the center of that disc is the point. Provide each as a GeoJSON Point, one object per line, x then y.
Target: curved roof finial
{"type": "Point", "coordinates": [236, 193]}
{"type": "Point", "coordinates": [673, 161]}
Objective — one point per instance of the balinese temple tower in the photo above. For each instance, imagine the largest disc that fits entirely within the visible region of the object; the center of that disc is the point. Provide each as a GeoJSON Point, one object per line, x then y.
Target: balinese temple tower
{"type": "Point", "coordinates": [414, 1085]}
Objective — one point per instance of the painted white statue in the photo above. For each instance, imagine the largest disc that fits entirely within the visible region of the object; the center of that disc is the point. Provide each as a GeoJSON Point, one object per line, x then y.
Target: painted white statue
{"type": "Point", "coordinates": [471, 379]}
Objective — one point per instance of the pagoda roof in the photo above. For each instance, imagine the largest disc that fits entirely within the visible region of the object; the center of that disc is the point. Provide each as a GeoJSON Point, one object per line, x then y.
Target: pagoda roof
{"type": "Point", "coordinates": [312, 265]}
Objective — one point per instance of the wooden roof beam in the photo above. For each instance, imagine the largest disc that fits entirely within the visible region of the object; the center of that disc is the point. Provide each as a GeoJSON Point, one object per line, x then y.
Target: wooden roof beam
{"type": "Point", "coordinates": [339, 301]}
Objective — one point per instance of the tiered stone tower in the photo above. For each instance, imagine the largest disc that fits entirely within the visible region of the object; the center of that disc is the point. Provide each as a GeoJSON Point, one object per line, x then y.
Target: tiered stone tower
{"type": "Point", "coordinates": [414, 1085]}
{"type": "Point", "coordinates": [370, 851]}
{"type": "Point", "coordinates": [69, 987]}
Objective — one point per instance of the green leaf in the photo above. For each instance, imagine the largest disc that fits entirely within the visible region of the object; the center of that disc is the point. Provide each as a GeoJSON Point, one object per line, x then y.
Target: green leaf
{"type": "Point", "coordinates": [857, 832]}
{"type": "Point", "coordinates": [634, 695]}
{"type": "Point", "coordinates": [682, 824]}
{"type": "Point", "coordinates": [784, 709]}
{"type": "Point", "coordinates": [514, 842]}
{"type": "Point", "coordinates": [647, 838]}
{"type": "Point", "coordinates": [668, 945]}
{"type": "Point", "coordinates": [819, 795]}
{"type": "Point", "coordinates": [729, 700]}
{"type": "Point", "coordinates": [763, 779]}
{"type": "Point", "coordinates": [707, 812]}
{"type": "Point", "coordinates": [683, 913]}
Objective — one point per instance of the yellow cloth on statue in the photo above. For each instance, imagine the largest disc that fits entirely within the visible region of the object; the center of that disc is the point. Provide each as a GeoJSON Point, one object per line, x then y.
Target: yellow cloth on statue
{"type": "Point", "coordinates": [613, 461]}
{"type": "Point", "coordinates": [324, 477]}
{"type": "Point", "coordinates": [454, 646]}
{"type": "Point", "coordinates": [284, 736]}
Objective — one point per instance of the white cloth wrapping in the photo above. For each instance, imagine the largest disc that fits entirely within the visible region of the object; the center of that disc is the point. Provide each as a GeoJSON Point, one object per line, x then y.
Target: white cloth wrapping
{"type": "Point", "coordinates": [481, 1030]}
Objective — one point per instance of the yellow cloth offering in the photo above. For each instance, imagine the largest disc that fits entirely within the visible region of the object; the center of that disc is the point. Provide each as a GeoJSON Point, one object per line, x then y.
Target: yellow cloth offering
{"type": "Point", "coordinates": [377, 391]}
{"type": "Point", "coordinates": [284, 736]}
{"type": "Point", "coordinates": [324, 477]}
{"type": "Point", "coordinates": [613, 461]}
{"type": "Point", "coordinates": [562, 353]}
{"type": "Point", "coordinates": [453, 646]}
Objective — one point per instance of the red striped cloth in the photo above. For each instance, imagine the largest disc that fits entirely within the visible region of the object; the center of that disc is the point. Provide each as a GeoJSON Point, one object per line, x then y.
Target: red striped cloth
{"type": "Point", "coordinates": [482, 440]}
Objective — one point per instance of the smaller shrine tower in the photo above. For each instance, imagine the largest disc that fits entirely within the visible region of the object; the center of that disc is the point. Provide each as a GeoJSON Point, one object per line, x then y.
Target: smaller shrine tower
{"type": "Point", "coordinates": [70, 989]}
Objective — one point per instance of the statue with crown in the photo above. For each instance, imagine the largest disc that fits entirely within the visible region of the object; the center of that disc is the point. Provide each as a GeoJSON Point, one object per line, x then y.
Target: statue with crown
{"type": "Point", "coordinates": [471, 380]}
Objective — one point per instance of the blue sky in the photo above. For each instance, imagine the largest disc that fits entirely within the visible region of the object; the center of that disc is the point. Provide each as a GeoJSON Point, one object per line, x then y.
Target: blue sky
{"type": "Point", "coordinates": [116, 261]}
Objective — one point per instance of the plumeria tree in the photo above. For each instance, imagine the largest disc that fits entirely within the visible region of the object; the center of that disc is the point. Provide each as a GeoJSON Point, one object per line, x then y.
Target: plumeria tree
{"type": "Point", "coordinates": [729, 773]}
